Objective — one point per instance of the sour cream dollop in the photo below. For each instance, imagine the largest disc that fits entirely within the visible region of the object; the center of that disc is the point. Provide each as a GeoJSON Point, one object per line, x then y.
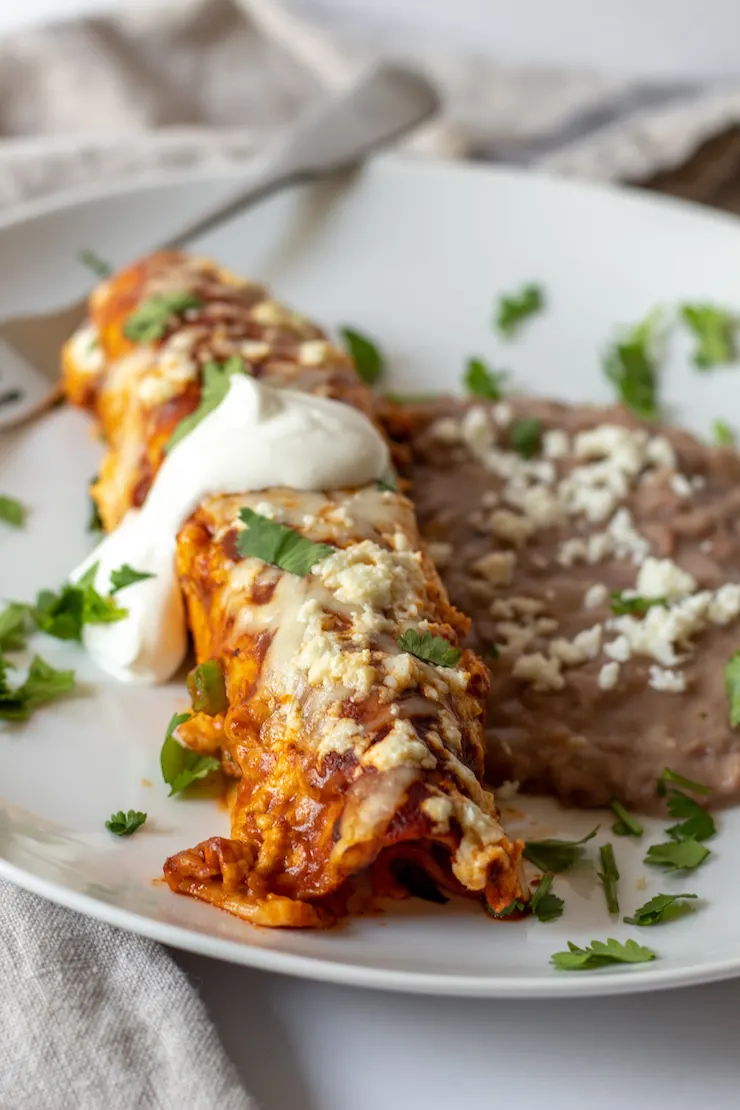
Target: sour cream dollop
{"type": "Point", "coordinates": [257, 438]}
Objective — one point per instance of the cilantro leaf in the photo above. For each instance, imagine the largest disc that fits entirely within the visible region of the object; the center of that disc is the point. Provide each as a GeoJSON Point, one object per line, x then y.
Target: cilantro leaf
{"type": "Point", "coordinates": [12, 512]}
{"type": "Point", "coordinates": [207, 688]}
{"type": "Point", "coordinates": [732, 687]}
{"type": "Point", "coordinates": [385, 486]}
{"type": "Point", "coordinates": [631, 364]}
{"type": "Point", "coordinates": [636, 606]}
{"type": "Point", "coordinates": [480, 381]}
{"type": "Point", "coordinates": [626, 824]}
{"type": "Point", "coordinates": [677, 855]}
{"type": "Point", "coordinates": [94, 262]}
{"type": "Point", "coordinates": [525, 436]}
{"type": "Point", "coordinates": [669, 776]}
{"type": "Point", "coordinates": [429, 648]}
{"type": "Point", "coordinates": [124, 824]}
{"type": "Point", "coordinates": [150, 319]}
{"type": "Point", "coordinates": [601, 953]}
{"type": "Point", "coordinates": [660, 909]}
{"type": "Point", "coordinates": [215, 385]}
{"type": "Point", "coordinates": [368, 360]}
{"type": "Point", "coordinates": [15, 626]}
{"type": "Point", "coordinates": [126, 576]}
{"type": "Point", "coordinates": [556, 855]}
{"type": "Point", "coordinates": [545, 905]}
{"type": "Point", "coordinates": [180, 765]}
{"type": "Point", "coordinates": [609, 876]}
{"type": "Point", "coordinates": [697, 823]}
{"type": "Point", "coordinates": [724, 436]}
{"type": "Point", "coordinates": [515, 308]}
{"type": "Point", "coordinates": [714, 331]}
{"type": "Point", "coordinates": [279, 545]}
{"type": "Point", "coordinates": [43, 683]}
{"type": "Point", "coordinates": [63, 615]}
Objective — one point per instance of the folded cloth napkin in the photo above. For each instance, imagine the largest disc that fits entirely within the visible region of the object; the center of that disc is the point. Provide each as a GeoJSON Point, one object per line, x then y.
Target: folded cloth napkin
{"type": "Point", "coordinates": [92, 1017]}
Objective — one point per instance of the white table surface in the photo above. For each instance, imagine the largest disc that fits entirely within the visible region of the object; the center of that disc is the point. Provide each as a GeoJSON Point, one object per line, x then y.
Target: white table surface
{"type": "Point", "coordinates": [309, 1046]}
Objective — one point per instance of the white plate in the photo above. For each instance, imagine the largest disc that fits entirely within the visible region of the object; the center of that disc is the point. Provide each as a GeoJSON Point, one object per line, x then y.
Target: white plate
{"type": "Point", "coordinates": [414, 254]}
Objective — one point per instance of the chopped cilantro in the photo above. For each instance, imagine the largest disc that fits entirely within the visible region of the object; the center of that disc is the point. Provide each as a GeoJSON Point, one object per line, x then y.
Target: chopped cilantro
{"type": "Point", "coordinates": [696, 824]}
{"type": "Point", "coordinates": [677, 855]}
{"type": "Point", "coordinates": [724, 436]}
{"type": "Point", "coordinates": [600, 953]}
{"type": "Point", "coordinates": [626, 824]}
{"type": "Point", "coordinates": [714, 330]}
{"type": "Point", "coordinates": [556, 855]}
{"type": "Point", "coordinates": [207, 688]}
{"type": "Point", "coordinates": [672, 778]}
{"type": "Point", "coordinates": [126, 576]}
{"type": "Point", "coordinates": [732, 687]}
{"type": "Point", "coordinates": [279, 545]}
{"type": "Point", "coordinates": [369, 362]}
{"type": "Point", "coordinates": [660, 909]}
{"type": "Point", "coordinates": [215, 385]}
{"type": "Point", "coordinates": [94, 262]}
{"type": "Point", "coordinates": [182, 766]}
{"type": "Point", "coordinates": [545, 905]}
{"type": "Point", "coordinates": [525, 436]}
{"type": "Point", "coordinates": [15, 626]}
{"type": "Point", "coordinates": [429, 648]}
{"type": "Point", "coordinates": [43, 683]}
{"type": "Point", "coordinates": [386, 486]}
{"type": "Point", "coordinates": [609, 876]}
{"type": "Point", "coordinates": [514, 308]}
{"type": "Point", "coordinates": [124, 824]}
{"type": "Point", "coordinates": [480, 381]}
{"type": "Point", "coordinates": [631, 365]}
{"type": "Point", "coordinates": [63, 615]}
{"type": "Point", "coordinates": [149, 321]}
{"type": "Point", "coordinates": [12, 512]}
{"type": "Point", "coordinates": [634, 606]}
{"type": "Point", "coordinates": [514, 907]}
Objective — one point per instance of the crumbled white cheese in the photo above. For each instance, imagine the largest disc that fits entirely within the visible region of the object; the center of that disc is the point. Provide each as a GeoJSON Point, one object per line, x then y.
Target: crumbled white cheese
{"type": "Point", "coordinates": [314, 352]}
{"type": "Point", "coordinates": [510, 527]}
{"type": "Point", "coordinates": [626, 539]}
{"type": "Point", "coordinates": [673, 682]}
{"type": "Point", "coordinates": [86, 352]}
{"type": "Point", "coordinates": [401, 745]}
{"type": "Point", "coordinates": [439, 552]}
{"type": "Point", "coordinates": [272, 314]}
{"type": "Point", "coordinates": [339, 735]}
{"type": "Point", "coordinates": [725, 604]}
{"type": "Point", "coordinates": [254, 350]}
{"type": "Point", "coordinates": [664, 578]}
{"type": "Point", "coordinates": [497, 567]}
{"type": "Point", "coordinates": [618, 649]}
{"type": "Point", "coordinates": [541, 673]}
{"type": "Point", "coordinates": [595, 595]}
{"type": "Point", "coordinates": [325, 660]}
{"type": "Point", "coordinates": [439, 810]}
{"type": "Point", "coordinates": [502, 414]}
{"type": "Point", "coordinates": [366, 574]}
{"type": "Point", "coordinates": [660, 453]}
{"type": "Point", "coordinates": [555, 444]}
{"type": "Point", "coordinates": [608, 676]}
{"type": "Point", "coordinates": [681, 485]}
{"type": "Point", "coordinates": [446, 430]}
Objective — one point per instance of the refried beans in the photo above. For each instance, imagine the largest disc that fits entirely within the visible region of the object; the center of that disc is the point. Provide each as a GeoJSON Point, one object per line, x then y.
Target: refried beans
{"type": "Point", "coordinates": [587, 703]}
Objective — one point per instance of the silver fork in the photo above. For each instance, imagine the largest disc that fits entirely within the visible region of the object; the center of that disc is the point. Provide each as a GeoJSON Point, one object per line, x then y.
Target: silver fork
{"type": "Point", "coordinates": [385, 104]}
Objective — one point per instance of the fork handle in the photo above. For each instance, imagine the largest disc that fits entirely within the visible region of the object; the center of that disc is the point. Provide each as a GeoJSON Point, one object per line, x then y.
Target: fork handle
{"type": "Point", "coordinates": [384, 104]}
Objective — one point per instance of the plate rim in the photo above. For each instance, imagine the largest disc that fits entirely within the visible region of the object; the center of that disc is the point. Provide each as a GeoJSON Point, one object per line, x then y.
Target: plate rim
{"type": "Point", "coordinates": [347, 973]}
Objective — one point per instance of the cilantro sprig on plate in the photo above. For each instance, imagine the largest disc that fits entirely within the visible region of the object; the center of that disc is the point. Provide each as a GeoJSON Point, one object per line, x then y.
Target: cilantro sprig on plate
{"type": "Point", "coordinates": [601, 953]}
{"type": "Point", "coordinates": [514, 308]}
{"type": "Point", "coordinates": [715, 334]}
{"type": "Point", "coordinates": [661, 909]}
{"type": "Point", "coordinates": [12, 512]}
{"type": "Point", "coordinates": [546, 906]}
{"type": "Point", "coordinates": [626, 824]}
{"type": "Point", "coordinates": [127, 576]}
{"type": "Point", "coordinates": [556, 855]}
{"type": "Point", "coordinates": [631, 365]}
{"type": "Point", "coordinates": [64, 614]}
{"type": "Point", "coordinates": [481, 381]}
{"type": "Point", "coordinates": [124, 824]}
{"type": "Point", "coordinates": [182, 766]}
{"type": "Point", "coordinates": [42, 684]}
